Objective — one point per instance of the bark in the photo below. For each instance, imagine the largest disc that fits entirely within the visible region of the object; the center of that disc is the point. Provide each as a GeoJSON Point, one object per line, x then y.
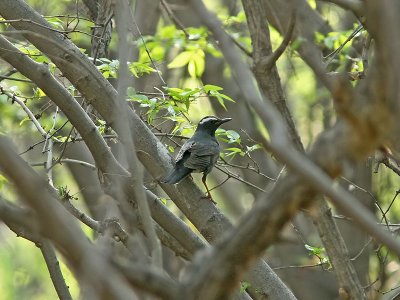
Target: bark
{"type": "Point", "coordinates": [269, 83]}
{"type": "Point", "coordinates": [331, 159]}
{"type": "Point", "coordinates": [98, 92]}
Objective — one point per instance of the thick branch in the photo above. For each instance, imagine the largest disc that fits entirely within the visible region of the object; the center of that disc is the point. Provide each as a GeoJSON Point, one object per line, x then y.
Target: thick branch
{"type": "Point", "coordinates": [270, 84]}
{"type": "Point", "coordinates": [150, 280]}
{"type": "Point", "coordinates": [40, 74]}
{"type": "Point", "coordinates": [57, 225]}
{"type": "Point", "coordinates": [289, 194]}
{"type": "Point", "coordinates": [23, 223]}
{"type": "Point", "coordinates": [125, 134]}
{"type": "Point", "coordinates": [153, 155]}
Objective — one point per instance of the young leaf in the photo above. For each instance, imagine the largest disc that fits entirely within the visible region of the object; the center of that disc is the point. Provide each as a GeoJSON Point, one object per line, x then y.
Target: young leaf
{"type": "Point", "coordinates": [209, 87]}
{"type": "Point", "coordinates": [182, 59]}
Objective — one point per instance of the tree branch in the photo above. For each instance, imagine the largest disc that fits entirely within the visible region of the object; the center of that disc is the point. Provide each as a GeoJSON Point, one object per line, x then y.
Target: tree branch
{"type": "Point", "coordinates": [151, 152]}
{"type": "Point", "coordinates": [53, 266]}
{"type": "Point", "coordinates": [206, 283]}
{"type": "Point", "coordinates": [271, 85]}
{"type": "Point", "coordinates": [56, 224]}
{"type": "Point", "coordinates": [269, 61]}
{"type": "Point", "coordinates": [124, 132]}
{"type": "Point", "coordinates": [23, 223]}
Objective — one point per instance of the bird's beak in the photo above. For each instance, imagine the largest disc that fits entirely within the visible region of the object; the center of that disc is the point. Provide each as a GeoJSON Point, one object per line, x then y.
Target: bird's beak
{"type": "Point", "coordinates": [222, 121]}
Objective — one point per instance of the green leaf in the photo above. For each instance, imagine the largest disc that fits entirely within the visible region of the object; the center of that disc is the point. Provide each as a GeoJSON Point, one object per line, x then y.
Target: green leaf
{"type": "Point", "coordinates": [56, 22]}
{"type": "Point", "coordinates": [138, 98]}
{"type": "Point", "coordinates": [233, 136]}
{"type": "Point", "coordinates": [138, 69]}
{"type": "Point", "coordinates": [182, 59]}
{"type": "Point", "coordinates": [171, 110]}
{"type": "Point", "coordinates": [221, 101]}
{"type": "Point", "coordinates": [157, 53]}
{"type": "Point", "coordinates": [227, 97]}
{"type": "Point", "coordinates": [199, 62]}
{"type": "Point", "coordinates": [168, 32]}
{"type": "Point", "coordinates": [233, 151]}
{"type": "Point", "coordinates": [209, 87]}
{"type": "Point", "coordinates": [314, 250]}
{"type": "Point", "coordinates": [192, 68]}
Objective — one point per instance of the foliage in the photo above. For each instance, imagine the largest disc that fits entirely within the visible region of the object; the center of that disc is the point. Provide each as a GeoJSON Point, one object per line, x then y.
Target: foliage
{"type": "Point", "coordinates": [171, 53]}
{"type": "Point", "coordinates": [319, 252]}
{"type": "Point", "coordinates": [193, 48]}
{"type": "Point", "coordinates": [175, 101]}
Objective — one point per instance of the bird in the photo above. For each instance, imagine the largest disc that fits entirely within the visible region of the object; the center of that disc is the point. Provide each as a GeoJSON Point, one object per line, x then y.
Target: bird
{"type": "Point", "coordinates": [199, 154]}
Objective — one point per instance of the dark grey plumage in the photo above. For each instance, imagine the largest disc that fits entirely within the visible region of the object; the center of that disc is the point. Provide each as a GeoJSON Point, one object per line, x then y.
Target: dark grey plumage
{"type": "Point", "coordinates": [199, 153]}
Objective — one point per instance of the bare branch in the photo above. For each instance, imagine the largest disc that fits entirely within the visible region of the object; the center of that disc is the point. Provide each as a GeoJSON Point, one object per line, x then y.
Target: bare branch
{"type": "Point", "coordinates": [23, 223]}
{"type": "Point", "coordinates": [120, 115]}
{"type": "Point", "coordinates": [31, 116]}
{"type": "Point", "coordinates": [308, 172]}
{"type": "Point", "coordinates": [150, 280]}
{"type": "Point", "coordinates": [41, 76]}
{"type": "Point", "coordinates": [53, 266]}
{"type": "Point", "coordinates": [57, 225]}
{"type": "Point", "coordinates": [173, 17]}
{"type": "Point", "coordinates": [210, 222]}
{"type": "Point", "coordinates": [15, 79]}
{"type": "Point", "coordinates": [79, 162]}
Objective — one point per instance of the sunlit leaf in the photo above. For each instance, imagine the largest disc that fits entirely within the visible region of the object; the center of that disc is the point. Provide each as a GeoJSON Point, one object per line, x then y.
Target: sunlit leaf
{"type": "Point", "coordinates": [209, 87]}
{"type": "Point", "coordinates": [182, 59]}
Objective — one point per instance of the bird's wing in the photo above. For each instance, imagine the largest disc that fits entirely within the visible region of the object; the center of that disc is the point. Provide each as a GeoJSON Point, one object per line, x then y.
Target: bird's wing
{"type": "Point", "coordinates": [184, 150]}
{"type": "Point", "coordinates": [202, 156]}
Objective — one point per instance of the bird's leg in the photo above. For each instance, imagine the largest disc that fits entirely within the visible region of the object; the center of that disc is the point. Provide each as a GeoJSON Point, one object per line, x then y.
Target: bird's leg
{"type": "Point", "coordinates": [203, 179]}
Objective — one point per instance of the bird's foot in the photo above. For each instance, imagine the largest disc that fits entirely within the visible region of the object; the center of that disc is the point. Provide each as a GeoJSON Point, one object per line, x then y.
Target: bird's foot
{"type": "Point", "coordinates": [208, 196]}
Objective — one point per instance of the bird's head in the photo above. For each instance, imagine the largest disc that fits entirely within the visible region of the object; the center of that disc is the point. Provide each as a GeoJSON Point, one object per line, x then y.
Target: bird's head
{"type": "Point", "coordinates": [210, 124]}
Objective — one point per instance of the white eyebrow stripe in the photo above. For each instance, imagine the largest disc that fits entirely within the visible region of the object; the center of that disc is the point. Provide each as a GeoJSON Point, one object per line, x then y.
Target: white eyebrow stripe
{"type": "Point", "coordinates": [207, 119]}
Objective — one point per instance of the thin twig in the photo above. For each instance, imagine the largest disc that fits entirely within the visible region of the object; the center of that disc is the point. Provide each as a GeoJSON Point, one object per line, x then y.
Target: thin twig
{"type": "Point", "coordinates": [64, 32]}
{"type": "Point", "coordinates": [319, 264]}
{"type": "Point", "coordinates": [240, 46]}
{"type": "Point", "coordinates": [238, 178]}
{"type": "Point", "coordinates": [101, 37]}
{"type": "Point", "coordinates": [333, 54]}
{"type": "Point", "coordinates": [148, 54]}
{"type": "Point", "coordinates": [79, 162]}
{"type": "Point", "coordinates": [248, 167]}
{"type": "Point", "coordinates": [220, 184]}
{"type": "Point", "coordinates": [41, 142]}
{"type": "Point", "coordinates": [174, 19]}
{"type": "Point", "coordinates": [26, 109]}
{"type": "Point", "coordinates": [15, 79]}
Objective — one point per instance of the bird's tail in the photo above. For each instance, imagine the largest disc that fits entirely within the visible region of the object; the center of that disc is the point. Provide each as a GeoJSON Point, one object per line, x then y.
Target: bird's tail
{"type": "Point", "coordinates": [176, 175]}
